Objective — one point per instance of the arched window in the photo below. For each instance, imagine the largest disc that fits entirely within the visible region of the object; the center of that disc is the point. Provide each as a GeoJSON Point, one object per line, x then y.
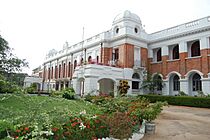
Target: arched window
{"type": "Point", "coordinates": [159, 55]}
{"type": "Point", "coordinates": [136, 76]}
{"type": "Point", "coordinates": [195, 49]}
{"type": "Point", "coordinates": [59, 71]}
{"type": "Point", "coordinates": [81, 61]}
{"type": "Point", "coordinates": [97, 59]}
{"type": "Point", "coordinates": [135, 81]}
{"type": "Point", "coordinates": [89, 59]}
{"type": "Point", "coordinates": [175, 52]}
{"type": "Point", "coordinates": [196, 82]}
{"type": "Point", "coordinates": [176, 83]}
{"type": "Point", "coordinates": [69, 70]}
{"type": "Point", "coordinates": [157, 82]}
{"type": "Point", "coordinates": [64, 70]}
{"type": "Point", "coordinates": [75, 64]}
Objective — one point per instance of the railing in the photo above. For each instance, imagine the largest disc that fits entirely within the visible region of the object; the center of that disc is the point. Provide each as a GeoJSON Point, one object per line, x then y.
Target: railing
{"type": "Point", "coordinates": [196, 24]}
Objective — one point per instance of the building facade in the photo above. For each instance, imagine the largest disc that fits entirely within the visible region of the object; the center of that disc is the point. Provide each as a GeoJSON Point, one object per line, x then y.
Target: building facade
{"type": "Point", "coordinates": [181, 56]}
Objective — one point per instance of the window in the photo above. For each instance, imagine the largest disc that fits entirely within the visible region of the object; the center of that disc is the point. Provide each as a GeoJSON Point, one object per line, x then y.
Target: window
{"type": "Point", "coordinates": [136, 30]}
{"type": "Point", "coordinates": [196, 82]}
{"type": "Point", "coordinates": [195, 49]}
{"type": "Point", "coordinates": [159, 55]}
{"type": "Point", "coordinates": [89, 59]}
{"type": "Point", "coordinates": [69, 71]}
{"type": "Point", "coordinates": [59, 72]}
{"type": "Point", "coordinates": [75, 64]}
{"type": "Point", "coordinates": [97, 59]}
{"type": "Point", "coordinates": [64, 70]}
{"type": "Point", "coordinates": [116, 54]}
{"type": "Point", "coordinates": [135, 82]}
{"type": "Point", "coordinates": [117, 30]}
{"type": "Point", "coordinates": [56, 71]}
{"type": "Point", "coordinates": [81, 61]}
{"type": "Point", "coordinates": [176, 83]}
{"type": "Point", "coordinates": [175, 52]}
{"type": "Point", "coordinates": [48, 73]}
{"type": "Point", "coordinates": [52, 73]}
{"type": "Point", "coordinates": [158, 82]}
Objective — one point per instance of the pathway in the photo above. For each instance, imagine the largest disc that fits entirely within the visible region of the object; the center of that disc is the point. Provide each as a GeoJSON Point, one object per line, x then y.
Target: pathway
{"type": "Point", "coordinates": [182, 123]}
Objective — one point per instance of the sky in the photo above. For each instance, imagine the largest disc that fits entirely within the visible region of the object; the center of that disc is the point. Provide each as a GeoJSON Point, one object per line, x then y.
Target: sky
{"type": "Point", "coordinates": [33, 27]}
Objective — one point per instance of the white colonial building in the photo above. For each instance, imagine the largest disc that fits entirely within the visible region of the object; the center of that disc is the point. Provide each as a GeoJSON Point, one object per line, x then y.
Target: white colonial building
{"type": "Point", "coordinates": [181, 55]}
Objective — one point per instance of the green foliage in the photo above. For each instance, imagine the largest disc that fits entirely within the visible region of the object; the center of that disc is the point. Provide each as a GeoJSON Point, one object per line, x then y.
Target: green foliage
{"type": "Point", "coordinates": [10, 61]}
{"type": "Point", "coordinates": [152, 83]}
{"type": "Point", "coordinates": [180, 100]}
{"type": "Point", "coordinates": [201, 94]}
{"type": "Point", "coordinates": [121, 125]}
{"type": "Point", "coordinates": [68, 93]}
{"type": "Point", "coordinates": [32, 89]}
{"type": "Point", "coordinates": [123, 87]}
{"type": "Point", "coordinates": [150, 113]}
{"type": "Point", "coordinates": [182, 93]}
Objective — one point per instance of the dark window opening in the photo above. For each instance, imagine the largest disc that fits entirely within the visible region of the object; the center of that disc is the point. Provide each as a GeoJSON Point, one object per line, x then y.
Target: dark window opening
{"type": "Point", "coordinates": [64, 70]}
{"type": "Point", "coordinates": [196, 82]}
{"type": "Point", "coordinates": [159, 55]}
{"type": "Point", "coordinates": [117, 30]}
{"type": "Point", "coordinates": [136, 30]}
{"type": "Point", "coordinates": [56, 71]}
{"type": "Point", "coordinates": [52, 73]}
{"type": "Point", "coordinates": [135, 85]}
{"type": "Point", "coordinates": [195, 49]}
{"type": "Point", "coordinates": [75, 64]}
{"type": "Point", "coordinates": [176, 83]}
{"type": "Point", "coordinates": [59, 72]}
{"type": "Point", "coordinates": [97, 59]}
{"type": "Point", "coordinates": [116, 54]}
{"type": "Point", "coordinates": [176, 52]}
{"type": "Point", "coordinates": [136, 76]}
{"type": "Point", "coordinates": [48, 73]}
{"type": "Point", "coordinates": [89, 59]}
{"type": "Point", "coordinates": [69, 70]}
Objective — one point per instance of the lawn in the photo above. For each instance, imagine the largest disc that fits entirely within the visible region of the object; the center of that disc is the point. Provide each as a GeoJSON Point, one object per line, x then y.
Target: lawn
{"type": "Point", "coordinates": [23, 109]}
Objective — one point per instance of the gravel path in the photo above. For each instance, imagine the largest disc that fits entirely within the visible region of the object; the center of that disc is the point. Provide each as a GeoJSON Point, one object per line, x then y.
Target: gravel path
{"type": "Point", "coordinates": [182, 123]}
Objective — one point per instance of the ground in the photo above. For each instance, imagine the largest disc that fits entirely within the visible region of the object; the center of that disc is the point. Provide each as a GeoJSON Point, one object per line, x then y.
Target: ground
{"type": "Point", "coordinates": [182, 123]}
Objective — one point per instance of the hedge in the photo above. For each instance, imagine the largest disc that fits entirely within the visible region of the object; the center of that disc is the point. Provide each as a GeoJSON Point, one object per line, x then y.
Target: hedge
{"type": "Point", "coordinates": [203, 102]}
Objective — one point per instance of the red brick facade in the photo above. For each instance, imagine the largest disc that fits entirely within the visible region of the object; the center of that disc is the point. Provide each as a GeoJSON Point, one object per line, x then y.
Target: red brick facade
{"type": "Point", "coordinates": [182, 65]}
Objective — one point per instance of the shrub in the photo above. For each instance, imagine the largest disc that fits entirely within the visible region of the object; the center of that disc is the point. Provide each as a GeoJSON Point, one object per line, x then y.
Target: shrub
{"type": "Point", "coordinates": [182, 93]}
{"type": "Point", "coordinates": [68, 93]}
{"type": "Point", "coordinates": [180, 100]}
{"type": "Point", "coordinates": [123, 87]}
{"type": "Point", "coordinates": [120, 126]}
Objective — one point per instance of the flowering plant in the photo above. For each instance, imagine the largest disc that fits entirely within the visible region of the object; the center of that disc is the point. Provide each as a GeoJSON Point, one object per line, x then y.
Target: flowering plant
{"type": "Point", "coordinates": [123, 87]}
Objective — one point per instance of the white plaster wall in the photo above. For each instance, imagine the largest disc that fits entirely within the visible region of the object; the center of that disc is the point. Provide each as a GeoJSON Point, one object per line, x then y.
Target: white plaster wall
{"type": "Point", "coordinates": [206, 85]}
{"type": "Point", "coordinates": [184, 86]}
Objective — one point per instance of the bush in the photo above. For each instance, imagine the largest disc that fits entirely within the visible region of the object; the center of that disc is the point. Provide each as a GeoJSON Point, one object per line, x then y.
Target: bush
{"type": "Point", "coordinates": [68, 93]}
{"type": "Point", "coordinates": [180, 100]}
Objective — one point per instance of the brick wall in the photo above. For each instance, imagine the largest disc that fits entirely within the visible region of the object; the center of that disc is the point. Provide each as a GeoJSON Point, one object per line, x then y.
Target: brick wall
{"type": "Point", "coordinates": [126, 56]}
{"type": "Point", "coordinates": [182, 65]}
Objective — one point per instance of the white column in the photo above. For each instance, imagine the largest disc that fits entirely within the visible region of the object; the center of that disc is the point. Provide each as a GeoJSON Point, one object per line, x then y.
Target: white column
{"type": "Point", "coordinates": [184, 86]}
{"type": "Point", "coordinates": [206, 85]}
{"type": "Point", "coordinates": [164, 50]}
{"type": "Point", "coordinates": [204, 43]}
{"type": "Point", "coordinates": [130, 89]}
{"type": "Point", "coordinates": [182, 47]}
{"type": "Point", "coordinates": [165, 89]}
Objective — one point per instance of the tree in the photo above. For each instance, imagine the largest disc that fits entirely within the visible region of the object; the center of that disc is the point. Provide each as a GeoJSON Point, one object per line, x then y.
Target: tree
{"type": "Point", "coordinates": [9, 66]}
{"type": "Point", "coordinates": [9, 63]}
{"type": "Point", "coordinates": [152, 83]}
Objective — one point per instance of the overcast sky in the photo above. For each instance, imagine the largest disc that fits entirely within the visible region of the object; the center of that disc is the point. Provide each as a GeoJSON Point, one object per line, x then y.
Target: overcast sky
{"type": "Point", "coordinates": [33, 27]}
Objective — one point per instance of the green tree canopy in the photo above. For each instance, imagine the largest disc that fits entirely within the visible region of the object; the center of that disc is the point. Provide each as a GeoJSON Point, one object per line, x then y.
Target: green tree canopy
{"type": "Point", "coordinates": [9, 63]}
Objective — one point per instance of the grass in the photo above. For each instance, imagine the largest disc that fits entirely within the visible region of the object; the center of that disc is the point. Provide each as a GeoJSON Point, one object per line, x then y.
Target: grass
{"type": "Point", "coordinates": [24, 109]}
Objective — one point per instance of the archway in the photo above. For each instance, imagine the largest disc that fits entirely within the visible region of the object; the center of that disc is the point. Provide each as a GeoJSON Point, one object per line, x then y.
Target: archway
{"type": "Point", "coordinates": [135, 82]}
{"type": "Point", "coordinates": [174, 84]}
{"type": "Point", "coordinates": [81, 86]}
{"type": "Point", "coordinates": [106, 86]}
{"type": "Point", "coordinates": [195, 83]}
